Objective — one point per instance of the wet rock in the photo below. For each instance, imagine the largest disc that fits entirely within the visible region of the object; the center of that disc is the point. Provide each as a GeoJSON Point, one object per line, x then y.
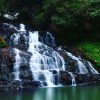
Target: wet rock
{"type": "Point", "coordinates": [94, 77]}
{"type": "Point", "coordinates": [4, 86]}
{"type": "Point", "coordinates": [7, 57]}
{"type": "Point", "coordinates": [54, 71]}
{"type": "Point", "coordinates": [82, 78]}
{"type": "Point", "coordinates": [26, 75]}
{"type": "Point", "coordinates": [15, 85]}
{"type": "Point", "coordinates": [30, 84]}
{"type": "Point", "coordinates": [44, 83]}
{"type": "Point", "coordinates": [65, 78]}
{"type": "Point", "coordinates": [11, 77]}
{"type": "Point", "coordinates": [87, 78]}
{"type": "Point", "coordinates": [57, 79]}
{"type": "Point", "coordinates": [70, 64]}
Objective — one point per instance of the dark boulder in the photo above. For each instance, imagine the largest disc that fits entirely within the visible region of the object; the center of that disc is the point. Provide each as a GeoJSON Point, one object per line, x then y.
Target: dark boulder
{"type": "Point", "coordinates": [26, 75]}
{"type": "Point", "coordinates": [65, 78]}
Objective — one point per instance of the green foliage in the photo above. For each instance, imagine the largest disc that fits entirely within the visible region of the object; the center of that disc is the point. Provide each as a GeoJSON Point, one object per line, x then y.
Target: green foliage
{"type": "Point", "coordinates": [4, 5]}
{"type": "Point", "coordinates": [39, 18]}
{"type": "Point", "coordinates": [63, 20]}
{"type": "Point", "coordinates": [95, 13]}
{"type": "Point", "coordinates": [95, 5]}
{"type": "Point", "coordinates": [92, 51]}
{"type": "Point", "coordinates": [2, 42]}
{"type": "Point", "coordinates": [66, 14]}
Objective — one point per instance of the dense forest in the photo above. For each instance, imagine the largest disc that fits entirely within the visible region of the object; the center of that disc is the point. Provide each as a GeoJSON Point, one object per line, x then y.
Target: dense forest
{"type": "Point", "coordinates": [74, 22]}
{"type": "Point", "coordinates": [73, 18]}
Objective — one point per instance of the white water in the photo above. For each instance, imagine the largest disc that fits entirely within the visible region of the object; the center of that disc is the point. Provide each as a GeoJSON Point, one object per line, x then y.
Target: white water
{"type": "Point", "coordinates": [42, 63]}
{"type": "Point", "coordinates": [17, 64]}
{"type": "Point", "coordinates": [73, 79]}
{"type": "Point", "coordinates": [16, 36]}
{"type": "Point", "coordinates": [22, 28]}
{"type": "Point", "coordinates": [82, 68]}
{"type": "Point", "coordinates": [92, 69]}
{"type": "Point", "coordinates": [11, 17]}
{"type": "Point", "coordinates": [44, 59]}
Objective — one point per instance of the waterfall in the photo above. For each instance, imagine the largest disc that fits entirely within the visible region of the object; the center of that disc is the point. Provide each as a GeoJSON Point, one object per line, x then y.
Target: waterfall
{"type": "Point", "coordinates": [92, 69]}
{"type": "Point", "coordinates": [22, 28]}
{"type": "Point", "coordinates": [17, 64]}
{"type": "Point", "coordinates": [45, 61]}
{"type": "Point", "coordinates": [73, 79]}
{"type": "Point", "coordinates": [82, 68]}
{"type": "Point", "coordinates": [16, 38]}
{"type": "Point", "coordinates": [21, 32]}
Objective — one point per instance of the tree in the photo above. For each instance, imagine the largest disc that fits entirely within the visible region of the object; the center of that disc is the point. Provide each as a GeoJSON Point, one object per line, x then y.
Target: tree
{"type": "Point", "coordinates": [4, 6]}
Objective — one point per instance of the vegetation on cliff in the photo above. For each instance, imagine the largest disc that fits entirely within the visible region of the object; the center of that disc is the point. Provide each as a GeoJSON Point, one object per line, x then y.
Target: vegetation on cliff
{"type": "Point", "coordinates": [91, 51]}
{"type": "Point", "coordinates": [2, 42]}
{"type": "Point", "coordinates": [63, 13]}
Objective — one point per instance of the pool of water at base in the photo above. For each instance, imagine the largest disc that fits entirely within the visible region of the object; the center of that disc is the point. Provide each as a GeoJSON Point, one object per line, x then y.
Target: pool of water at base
{"type": "Point", "coordinates": [56, 93]}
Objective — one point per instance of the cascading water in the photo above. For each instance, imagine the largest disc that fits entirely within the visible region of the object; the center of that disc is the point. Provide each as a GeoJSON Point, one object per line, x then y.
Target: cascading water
{"type": "Point", "coordinates": [22, 28]}
{"type": "Point", "coordinates": [73, 79]}
{"type": "Point", "coordinates": [82, 68]}
{"type": "Point", "coordinates": [45, 61]}
{"type": "Point", "coordinates": [16, 37]}
{"type": "Point", "coordinates": [17, 65]}
{"type": "Point", "coordinates": [92, 69]}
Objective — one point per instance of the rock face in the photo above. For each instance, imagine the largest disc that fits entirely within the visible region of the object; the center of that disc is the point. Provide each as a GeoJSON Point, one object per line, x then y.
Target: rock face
{"type": "Point", "coordinates": [30, 61]}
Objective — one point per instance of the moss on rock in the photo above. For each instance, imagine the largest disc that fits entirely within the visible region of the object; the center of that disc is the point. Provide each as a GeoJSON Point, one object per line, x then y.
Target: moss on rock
{"type": "Point", "coordinates": [2, 42]}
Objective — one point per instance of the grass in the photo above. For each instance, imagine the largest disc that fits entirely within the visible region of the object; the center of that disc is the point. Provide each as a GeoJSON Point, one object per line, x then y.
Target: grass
{"type": "Point", "coordinates": [91, 50]}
